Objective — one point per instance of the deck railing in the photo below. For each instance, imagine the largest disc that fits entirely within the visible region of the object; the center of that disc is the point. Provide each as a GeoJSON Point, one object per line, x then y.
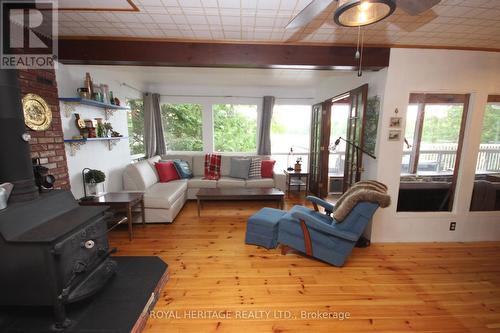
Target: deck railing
{"type": "Point", "coordinates": [442, 158]}
{"type": "Point", "coordinates": [439, 158]}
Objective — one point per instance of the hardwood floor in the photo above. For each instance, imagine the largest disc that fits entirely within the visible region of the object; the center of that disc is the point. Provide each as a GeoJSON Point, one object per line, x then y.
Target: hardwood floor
{"type": "Point", "coordinates": [440, 287]}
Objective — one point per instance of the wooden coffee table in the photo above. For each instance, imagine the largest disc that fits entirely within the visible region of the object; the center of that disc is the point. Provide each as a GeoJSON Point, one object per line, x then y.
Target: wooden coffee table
{"type": "Point", "coordinates": [235, 194]}
{"type": "Point", "coordinates": [123, 201]}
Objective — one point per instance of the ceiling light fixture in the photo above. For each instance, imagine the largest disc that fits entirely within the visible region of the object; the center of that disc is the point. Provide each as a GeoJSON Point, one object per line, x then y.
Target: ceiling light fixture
{"type": "Point", "coordinates": [356, 13]}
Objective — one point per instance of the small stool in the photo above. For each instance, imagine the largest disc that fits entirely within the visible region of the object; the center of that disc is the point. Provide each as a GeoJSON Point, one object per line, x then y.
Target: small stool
{"type": "Point", "coordinates": [262, 228]}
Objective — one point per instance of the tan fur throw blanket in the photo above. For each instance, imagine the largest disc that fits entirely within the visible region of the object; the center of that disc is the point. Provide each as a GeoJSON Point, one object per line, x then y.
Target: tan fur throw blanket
{"type": "Point", "coordinates": [359, 193]}
{"type": "Point", "coordinates": [364, 184]}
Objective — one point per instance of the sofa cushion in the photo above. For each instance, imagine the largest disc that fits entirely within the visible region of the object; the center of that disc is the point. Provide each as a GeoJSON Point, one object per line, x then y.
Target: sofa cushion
{"type": "Point", "coordinates": [184, 157]}
{"type": "Point", "coordinates": [152, 161]}
{"type": "Point", "coordinates": [183, 169]}
{"type": "Point", "coordinates": [267, 168]}
{"type": "Point", "coordinates": [259, 183]}
{"type": "Point", "coordinates": [166, 171]}
{"type": "Point", "coordinates": [198, 166]}
{"type": "Point", "coordinates": [240, 167]}
{"type": "Point", "coordinates": [255, 168]}
{"type": "Point", "coordinates": [140, 175]}
{"type": "Point", "coordinates": [228, 182]}
{"type": "Point", "coordinates": [164, 195]}
{"type": "Point", "coordinates": [225, 165]}
{"type": "Point", "coordinates": [199, 182]}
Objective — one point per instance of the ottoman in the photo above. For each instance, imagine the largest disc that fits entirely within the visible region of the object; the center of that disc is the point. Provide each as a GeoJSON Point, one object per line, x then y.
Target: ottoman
{"type": "Point", "coordinates": [262, 228]}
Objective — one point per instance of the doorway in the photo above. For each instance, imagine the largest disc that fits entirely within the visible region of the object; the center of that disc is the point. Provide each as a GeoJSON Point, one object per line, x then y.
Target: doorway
{"type": "Point", "coordinates": [337, 126]}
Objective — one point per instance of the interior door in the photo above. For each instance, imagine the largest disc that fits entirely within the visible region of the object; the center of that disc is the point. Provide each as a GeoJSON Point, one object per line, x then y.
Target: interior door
{"type": "Point", "coordinates": [355, 134]}
{"type": "Point", "coordinates": [318, 159]}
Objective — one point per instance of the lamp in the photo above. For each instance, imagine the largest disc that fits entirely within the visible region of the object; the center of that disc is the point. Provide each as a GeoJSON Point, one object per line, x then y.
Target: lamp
{"type": "Point", "coordinates": [85, 196]}
{"type": "Point", "coordinates": [334, 146]}
{"type": "Point", "coordinates": [356, 13]}
{"type": "Point", "coordinates": [289, 160]}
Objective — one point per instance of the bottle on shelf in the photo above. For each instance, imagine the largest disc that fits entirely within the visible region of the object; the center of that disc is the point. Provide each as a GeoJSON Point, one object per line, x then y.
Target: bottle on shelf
{"type": "Point", "coordinates": [88, 84]}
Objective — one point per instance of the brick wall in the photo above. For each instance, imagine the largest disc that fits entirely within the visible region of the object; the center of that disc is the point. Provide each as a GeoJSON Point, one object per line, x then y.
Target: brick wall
{"type": "Point", "coordinates": [47, 145]}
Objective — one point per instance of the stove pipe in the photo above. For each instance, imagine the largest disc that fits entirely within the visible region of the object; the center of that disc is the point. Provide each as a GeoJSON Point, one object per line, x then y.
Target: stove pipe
{"type": "Point", "coordinates": [15, 159]}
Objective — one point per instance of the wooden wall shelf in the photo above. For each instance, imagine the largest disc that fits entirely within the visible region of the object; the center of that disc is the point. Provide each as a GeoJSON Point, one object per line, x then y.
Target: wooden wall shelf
{"type": "Point", "coordinates": [75, 144]}
{"type": "Point", "coordinates": [71, 102]}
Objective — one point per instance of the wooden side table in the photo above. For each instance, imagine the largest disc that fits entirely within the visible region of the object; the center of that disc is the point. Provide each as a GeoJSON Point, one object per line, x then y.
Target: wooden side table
{"type": "Point", "coordinates": [298, 179]}
{"type": "Point", "coordinates": [123, 201]}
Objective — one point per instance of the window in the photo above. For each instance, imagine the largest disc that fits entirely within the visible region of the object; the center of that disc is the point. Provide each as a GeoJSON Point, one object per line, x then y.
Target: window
{"type": "Point", "coordinates": [338, 128]}
{"type": "Point", "coordinates": [435, 124]}
{"type": "Point", "coordinates": [136, 127]}
{"type": "Point", "coordinates": [486, 191]}
{"type": "Point", "coordinates": [182, 127]}
{"type": "Point", "coordinates": [235, 127]}
{"type": "Point", "coordinates": [290, 127]}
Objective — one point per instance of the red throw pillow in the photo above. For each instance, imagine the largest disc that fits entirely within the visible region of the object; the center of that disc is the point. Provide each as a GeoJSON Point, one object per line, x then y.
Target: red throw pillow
{"type": "Point", "coordinates": [267, 167]}
{"type": "Point", "coordinates": [166, 171]}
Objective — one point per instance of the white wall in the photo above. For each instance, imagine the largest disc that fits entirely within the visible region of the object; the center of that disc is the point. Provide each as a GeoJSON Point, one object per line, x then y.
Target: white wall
{"type": "Point", "coordinates": [438, 71]}
{"type": "Point", "coordinates": [94, 155]}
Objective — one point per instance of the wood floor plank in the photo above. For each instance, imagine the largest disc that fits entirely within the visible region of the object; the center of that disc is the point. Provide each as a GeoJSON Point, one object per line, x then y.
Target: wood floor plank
{"type": "Point", "coordinates": [412, 287]}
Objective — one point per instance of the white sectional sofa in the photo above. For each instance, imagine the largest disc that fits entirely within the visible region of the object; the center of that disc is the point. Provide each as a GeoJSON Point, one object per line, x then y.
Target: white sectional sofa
{"type": "Point", "coordinates": [163, 201]}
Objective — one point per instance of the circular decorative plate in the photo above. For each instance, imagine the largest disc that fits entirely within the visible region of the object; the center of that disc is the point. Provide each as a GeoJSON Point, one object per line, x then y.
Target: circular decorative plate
{"type": "Point", "coordinates": [37, 114]}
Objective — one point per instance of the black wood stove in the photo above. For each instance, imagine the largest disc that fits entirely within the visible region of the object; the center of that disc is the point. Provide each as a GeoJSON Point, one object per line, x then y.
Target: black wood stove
{"type": "Point", "coordinates": [52, 251]}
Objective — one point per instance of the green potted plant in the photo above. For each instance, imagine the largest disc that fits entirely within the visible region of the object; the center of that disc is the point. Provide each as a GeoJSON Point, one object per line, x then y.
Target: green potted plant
{"type": "Point", "coordinates": [92, 178]}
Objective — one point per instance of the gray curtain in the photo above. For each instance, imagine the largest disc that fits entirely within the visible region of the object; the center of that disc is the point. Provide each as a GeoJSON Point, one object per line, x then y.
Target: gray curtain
{"type": "Point", "coordinates": [153, 130]}
{"type": "Point", "coordinates": [264, 142]}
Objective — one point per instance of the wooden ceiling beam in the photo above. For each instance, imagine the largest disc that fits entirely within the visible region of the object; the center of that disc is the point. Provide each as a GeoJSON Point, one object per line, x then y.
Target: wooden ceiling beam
{"type": "Point", "coordinates": [159, 53]}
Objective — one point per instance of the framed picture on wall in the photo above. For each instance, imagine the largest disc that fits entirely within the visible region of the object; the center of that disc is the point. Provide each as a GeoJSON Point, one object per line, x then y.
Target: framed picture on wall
{"type": "Point", "coordinates": [395, 122]}
{"type": "Point", "coordinates": [394, 135]}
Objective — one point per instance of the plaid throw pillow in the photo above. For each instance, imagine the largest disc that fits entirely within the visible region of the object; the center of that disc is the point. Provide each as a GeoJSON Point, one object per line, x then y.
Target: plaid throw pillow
{"type": "Point", "coordinates": [255, 168]}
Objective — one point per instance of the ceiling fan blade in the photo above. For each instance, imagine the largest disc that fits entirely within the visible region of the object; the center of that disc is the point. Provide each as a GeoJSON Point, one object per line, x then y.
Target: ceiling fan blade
{"type": "Point", "coordinates": [416, 7]}
{"type": "Point", "coordinates": [308, 14]}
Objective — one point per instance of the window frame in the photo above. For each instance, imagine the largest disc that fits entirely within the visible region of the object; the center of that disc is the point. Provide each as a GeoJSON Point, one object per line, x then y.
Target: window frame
{"type": "Point", "coordinates": [438, 98]}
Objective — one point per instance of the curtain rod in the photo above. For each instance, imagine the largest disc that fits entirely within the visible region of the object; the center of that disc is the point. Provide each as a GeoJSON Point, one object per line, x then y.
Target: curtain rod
{"type": "Point", "coordinates": [226, 96]}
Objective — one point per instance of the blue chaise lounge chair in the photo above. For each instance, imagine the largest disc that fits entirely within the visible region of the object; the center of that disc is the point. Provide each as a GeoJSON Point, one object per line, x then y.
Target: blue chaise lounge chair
{"type": "Point", "coordinates": [331, 239]}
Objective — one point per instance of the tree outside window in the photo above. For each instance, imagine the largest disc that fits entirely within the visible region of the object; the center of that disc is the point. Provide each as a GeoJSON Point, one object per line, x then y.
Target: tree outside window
{"type": "Point", "coordinates": [182, 127]}
{"type": "Point", "coordinates": [235, 127]}
{"type": "Point", "coordinates": [136, 126]}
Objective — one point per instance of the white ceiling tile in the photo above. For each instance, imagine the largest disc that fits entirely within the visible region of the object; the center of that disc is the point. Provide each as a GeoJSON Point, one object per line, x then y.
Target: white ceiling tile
{"type": "Point", "coordinates": [249, 4]}
{"type": "Point", "coordinates": [161, 18]}
{"type": "Point", "coordinates": [229, 12]}
{"type": "Point", "coordinates": [194, 11]}
{"type": "Point", "coordinates": [288, 5]}
{"type": "Point", "coordinates": [212, 19]}
{"type": "Point", "coordinates": [248, 21]}
{"type": "Point", "coordinates": [231, 20]}
{"type": "Point", "coordinates": [170, 3]}
{"type": "Point", "coordinates": [461, 23]}
{"type": "Point", "coordinates": [179, 19]}
{"type": "Point", "coordinates": [229, 3]}
{"type": "Point", "coordinates": [268, 4]}
{"type": "Point", "coordinates": [150, 2]}
{"type": "Point", "coordinates": [191, 3]}
{"type": "Point", "coordinates": [156, 10]}
{"type": "Point", "coordinates": [210, 3]}
{"type": "Point", "coordinates": [264, 22]}
{"type": "Point", "coordinates": [192, 19]}
{"type": "Point", "coordinates": [232, 34]}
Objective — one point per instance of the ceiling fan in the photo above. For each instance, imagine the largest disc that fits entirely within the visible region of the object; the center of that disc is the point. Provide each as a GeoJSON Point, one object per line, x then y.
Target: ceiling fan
{"type": "Point", "coordinates": [355, 13]}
